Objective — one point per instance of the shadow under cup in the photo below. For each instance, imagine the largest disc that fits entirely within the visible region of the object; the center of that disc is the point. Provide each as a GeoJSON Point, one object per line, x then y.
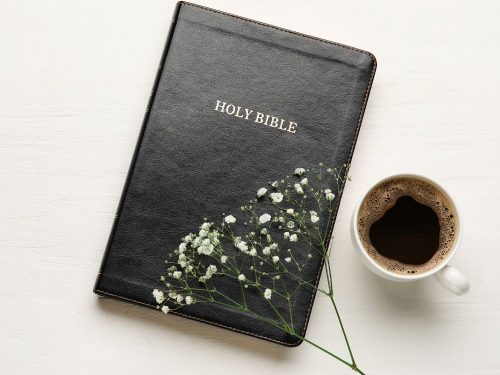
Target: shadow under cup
{"type": "Point", "coordinates": [408, 226]}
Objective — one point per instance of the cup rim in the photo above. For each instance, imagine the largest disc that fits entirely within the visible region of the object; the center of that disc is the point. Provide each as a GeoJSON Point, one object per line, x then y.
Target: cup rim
{"type": "Point", "coordinates": [384, 271]}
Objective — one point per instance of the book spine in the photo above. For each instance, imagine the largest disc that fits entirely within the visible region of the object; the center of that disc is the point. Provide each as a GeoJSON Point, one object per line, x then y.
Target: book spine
{"type": "Point", "coordinates": [138, 145]}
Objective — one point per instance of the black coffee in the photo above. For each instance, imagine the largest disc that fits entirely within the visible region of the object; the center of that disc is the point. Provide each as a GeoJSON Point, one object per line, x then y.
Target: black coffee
{"type": "Point", "coordinates": [407, 225]}
{"type": "Point", "coordinates": [408, 232]}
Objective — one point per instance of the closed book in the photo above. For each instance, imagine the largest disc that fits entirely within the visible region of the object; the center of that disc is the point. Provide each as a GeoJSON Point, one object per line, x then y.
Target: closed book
{"type": "Point", "coordinates": [236, 104]}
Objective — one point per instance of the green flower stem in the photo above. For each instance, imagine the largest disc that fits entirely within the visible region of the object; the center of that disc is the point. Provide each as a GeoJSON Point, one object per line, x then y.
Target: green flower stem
{"type": "Point", "coordinates": [288, 329]}
{"type": "Point", "coordinates": [343, 329]}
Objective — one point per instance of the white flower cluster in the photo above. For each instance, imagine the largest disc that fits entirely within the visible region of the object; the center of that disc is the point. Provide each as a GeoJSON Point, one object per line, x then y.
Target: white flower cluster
{"type": "Point", "coordinates": [299, 171]}
{"type": "Point", "coordinates": [264, 218]}
{"type": "Point", "coordinates": [230, 219]}
{"type": "Point", "coordinates": [243, 247]}
{"type": "Point", "coordinates": [158, 295]}
{"type": "Point", "coordinates": [329, 195]}
{"type": "Point", "coordinates": [276, 197]}
{"type": "Point", "coordinates": [294, 219]}
{"type": "Point", "coordinates": [211, 270]}
{"type": "Point", "coordinates": [268, 293]}
{"type": "Point", "coordinates": [204, 243]}
{"type": "Point", "coordinates": [177, 298]}
{"type": "Point", "coordinates": [261, 192]}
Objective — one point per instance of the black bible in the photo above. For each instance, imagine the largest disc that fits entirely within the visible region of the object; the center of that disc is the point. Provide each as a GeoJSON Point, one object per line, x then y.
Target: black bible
{"type": "Point", "coordinates": [236, 103]}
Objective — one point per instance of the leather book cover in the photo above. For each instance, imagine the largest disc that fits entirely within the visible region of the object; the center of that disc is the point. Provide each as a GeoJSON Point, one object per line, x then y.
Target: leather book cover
{"type": "Point", "coordinates": [236, 104]}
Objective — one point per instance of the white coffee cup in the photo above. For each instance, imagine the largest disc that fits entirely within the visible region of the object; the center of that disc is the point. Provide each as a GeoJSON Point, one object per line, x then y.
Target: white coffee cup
{"type": "Point", "coordinates": [451, 278]}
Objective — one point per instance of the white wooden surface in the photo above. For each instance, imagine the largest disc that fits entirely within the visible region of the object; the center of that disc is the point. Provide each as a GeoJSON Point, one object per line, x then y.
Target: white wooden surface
{"type": "Point", "coordinates": [74, 81]}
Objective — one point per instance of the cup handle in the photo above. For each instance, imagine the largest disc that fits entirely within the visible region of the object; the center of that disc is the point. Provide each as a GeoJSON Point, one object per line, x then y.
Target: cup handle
{"type": "Point", "coordinates": [453, 280]}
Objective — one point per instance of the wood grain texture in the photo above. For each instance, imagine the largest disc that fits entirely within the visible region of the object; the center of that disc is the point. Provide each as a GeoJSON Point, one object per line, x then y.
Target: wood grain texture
{"type": "Point", "coordinates": [75, 77]}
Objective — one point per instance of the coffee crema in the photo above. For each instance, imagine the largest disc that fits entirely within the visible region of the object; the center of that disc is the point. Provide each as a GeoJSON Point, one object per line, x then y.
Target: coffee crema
{"type": "Point", "coordinates": [424, 237]}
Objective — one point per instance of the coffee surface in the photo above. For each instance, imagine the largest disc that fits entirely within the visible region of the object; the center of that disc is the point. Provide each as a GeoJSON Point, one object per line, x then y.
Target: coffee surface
{"type": "Point", "coordinates": [407, 225]}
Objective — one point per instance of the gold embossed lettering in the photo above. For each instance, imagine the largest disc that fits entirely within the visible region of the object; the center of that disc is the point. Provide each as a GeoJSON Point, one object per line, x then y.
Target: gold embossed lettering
{"type": "Point", "coordinates": [292, 128]}
{"type": "Point", "coordinates": [220, 106]}
{"type": "Point", "coordinates": [274, 122]}
{"type": "Point", "coordinates": [259, 118]}
{"type": "Point", "coordinates": [230, 109]}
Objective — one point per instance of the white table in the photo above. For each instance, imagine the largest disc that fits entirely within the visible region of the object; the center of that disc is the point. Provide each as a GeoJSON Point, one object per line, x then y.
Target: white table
{"type": "Point", "coordinates": [74, 81]}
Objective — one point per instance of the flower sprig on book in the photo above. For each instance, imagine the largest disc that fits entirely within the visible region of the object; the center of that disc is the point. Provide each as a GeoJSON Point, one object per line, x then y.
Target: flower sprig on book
{"type": "Point", "coordinates": [262, 251]}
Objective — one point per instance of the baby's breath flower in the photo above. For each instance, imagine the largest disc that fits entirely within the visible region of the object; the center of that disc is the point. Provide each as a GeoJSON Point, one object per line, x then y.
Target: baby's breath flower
{"type": "Point", "coordinates": [299, 171]}
{"type": "Point", "coordinates": [211, 269]}
{"type": "Point", "coordinates": [214, 237]}
{"type": "Point", "coordinates": [240, 245]}
{"type": "Point", "coordinates": [264, 218]}
{"type": "Point", "coordinates": [188, 263]}
{"type": "Point", "coordinates": [267, 293]}
{"type": "Point", "coordinates": [276, 197]}
{"type": "Point", "coordinates": [261, 192]}
{"type": "Point", "coordinates": [158, 295]}
{"type": "Point", "coordinates": [230, 219]}
{"type": "Point", "coordinates": [165, 309]}
{"type": "Point", "coordinates": [298, 188]}
{"type": "Point", "coordinates": [196, 242]}
{"type": "Point", "coordinates": [182, 247]}
{"type": "Point", "coordinates": [206, 247]}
